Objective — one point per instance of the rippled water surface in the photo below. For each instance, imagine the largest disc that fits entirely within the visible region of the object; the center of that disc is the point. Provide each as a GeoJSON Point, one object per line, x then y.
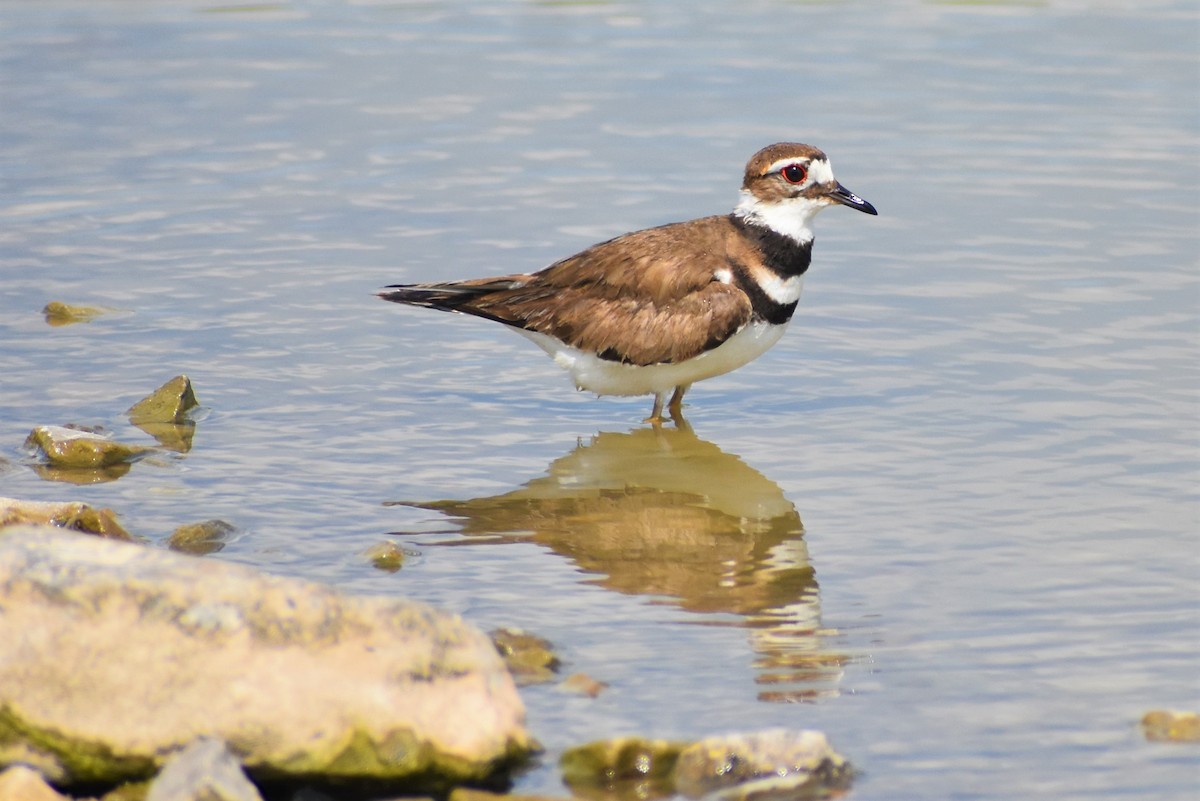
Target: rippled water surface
{"type": "Point", "coordinates": [951, 519]}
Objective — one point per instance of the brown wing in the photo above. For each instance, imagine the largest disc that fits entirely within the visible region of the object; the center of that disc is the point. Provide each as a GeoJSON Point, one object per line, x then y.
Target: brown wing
{"type": "Point", "coordinates": [662, 305]}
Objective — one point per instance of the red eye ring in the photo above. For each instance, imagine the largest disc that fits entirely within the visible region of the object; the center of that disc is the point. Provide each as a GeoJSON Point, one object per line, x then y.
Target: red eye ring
{"type": "Point", "coordinates": [794, 173]}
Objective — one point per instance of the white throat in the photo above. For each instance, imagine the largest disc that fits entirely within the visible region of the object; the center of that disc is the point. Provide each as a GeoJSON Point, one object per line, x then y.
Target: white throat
{"type": "Point", "coordinates": [789, 217]}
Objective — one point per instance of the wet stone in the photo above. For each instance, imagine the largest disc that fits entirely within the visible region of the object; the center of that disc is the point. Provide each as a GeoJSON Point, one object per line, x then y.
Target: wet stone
{"type": "Point", "coordinates": [386, 556]}
{"type": "Point", "coordinates": [1171, 726]}
{"type": "Point", "coordinates": [76, 516]}
{"type": "Point", "coordinates": [631, 767]}
{"type": "Point", "coordinates": [583, 684]}
{"type": "Point", "coordinates": [58, 313]}
{"type": "Point", "coordinates": [77, 449]}
{"type": "Point", "coordinates": [774, 764]}
{"type": "Point", "coordinates": [530, 658]}
{"type": "Point", "coordinates": [169, 403]}
{"type": "Point", "coordinates": [199, 539]}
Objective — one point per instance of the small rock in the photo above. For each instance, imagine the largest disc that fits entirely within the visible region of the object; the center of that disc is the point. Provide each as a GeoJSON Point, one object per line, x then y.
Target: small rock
{"type": "Point", "coordinates": [627, 767]}
{"type": "Point", "coordinates": [201, 538]}
{"type": "Point", "coordinates": [203, 771]}
{"type": "Point", "coordinates": [73, 448]}
{"type": "Point", "coordinates": [1170, 725]}
{"type": "Point", "coordinates": [22, 783]}
{"type": "Point", "coordinates": [138, 649]}
{"type": "Point", "coordinates": [387, 556]}
{"type": "Point", "coordinates": [530, 658]}
{"type": "Point", "coordinates": [58, 313]}
{"type": "Point", "coordinates": [75, 516]}
{"type": "Point", "coordinates": [773, 764]}
{"type": "Point", "coordinates": [583, 684]}
{"type": "Point", "coordinates": [169, 403]}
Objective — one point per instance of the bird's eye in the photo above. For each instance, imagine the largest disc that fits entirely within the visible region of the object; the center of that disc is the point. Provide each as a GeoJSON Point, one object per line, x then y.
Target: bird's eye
{"type": "Point", "coordinates": [794, 173]}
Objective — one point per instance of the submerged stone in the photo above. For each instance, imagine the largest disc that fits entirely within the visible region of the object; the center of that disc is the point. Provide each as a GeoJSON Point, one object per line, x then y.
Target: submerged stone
{"type": "Point", "coordinates": [386, 556]}
{"type": "Point", "coordinates": [74, 515]}
{"type": "Point", "coordinates": [1170, 725]}
{"type": "Point", "coordinates": [73, 448]}
{"type": "Point", "coordinates": [169, 403]}
{"type": "Point", "coordinates": [58, 313]}
{"type": "Point", "coordinates": [530, 658]}
{"type": "Point", "coordinates": [138, 649]}
{"type": "Point", "coordinates": [201, 538]}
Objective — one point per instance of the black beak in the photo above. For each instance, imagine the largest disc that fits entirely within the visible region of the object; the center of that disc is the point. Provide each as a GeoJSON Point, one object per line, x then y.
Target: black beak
{"type": "Point", "coordinates": [847, 198]}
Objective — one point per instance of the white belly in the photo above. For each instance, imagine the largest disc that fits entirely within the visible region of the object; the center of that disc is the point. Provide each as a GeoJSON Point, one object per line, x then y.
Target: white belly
{"type": "Point", "coordinates": [606, 377]}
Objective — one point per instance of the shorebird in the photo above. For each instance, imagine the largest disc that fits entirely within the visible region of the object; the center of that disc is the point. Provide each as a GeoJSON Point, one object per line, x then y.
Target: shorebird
{"type": "Point", "coordinates": [653, 311]}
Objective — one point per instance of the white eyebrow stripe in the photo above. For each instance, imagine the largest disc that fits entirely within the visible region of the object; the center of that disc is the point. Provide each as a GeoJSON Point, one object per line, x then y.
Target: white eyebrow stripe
{"type": "Point", "coordinates": [819, 170]}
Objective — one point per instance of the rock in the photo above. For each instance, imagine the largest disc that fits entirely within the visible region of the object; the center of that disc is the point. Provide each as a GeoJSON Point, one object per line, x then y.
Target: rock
{"type": "Point", "coordinates": [625, 767]}
{"type": "Point", "coordinates": [21, 783]}
{"type": "Point", "coordinates": [203, 771]}
{"type": "Point", "coordinates": [387, 556]}
{"type": "Point", "coordinates": [1169, 725]}
{"type": "Point", "coordinates": [169, 403]}
{"type": "Point", "coordinates": [58, 313]}
{"type": "Point", "coordinates": [138, 650]}
{"type": "Point", "coordinates": [72, 448]}
{"type": "Point", "coordinates": [530, 658]}
{"type": "Point", "coordinates": [201, 538]}
{"type": "Point", "coordinates": [773, 764]}
{"type": "Point", "coordinates": [582, 684]}
{"type": "Point", "coordinates": [776, 763]}
{"type": "Point", "coordinates": [75, 516]}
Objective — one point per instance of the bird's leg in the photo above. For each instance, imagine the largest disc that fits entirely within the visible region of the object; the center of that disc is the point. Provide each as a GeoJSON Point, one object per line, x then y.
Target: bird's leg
{"type": "Point", "coordinates": [656, 414]}
{"type": "Point", "coordinates": [676, 405]}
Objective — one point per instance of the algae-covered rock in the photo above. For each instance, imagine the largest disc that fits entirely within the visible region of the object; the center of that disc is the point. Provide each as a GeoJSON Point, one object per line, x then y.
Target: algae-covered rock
{"type": "Point", "coordinates": [199, 539]}
{"type": "Point", "coordinates": [203, 771]}
{"type": "Point", "coordinates": [530, 658]}
{"type": "Point", "coordinates": [386, 556]}
{"type": "Point", "coordinates": [73, 515]}
{"type": "Point", "coordinates": [630, 767]}
{"type": "Point", "coordinates": [138, 650]}
{"type": "Point", "coordinates": [73, 448]}
{"type": "Point", "coordinates": [1170, 725]}
{"type": "Point", "coordinates": [169, 403]}
{"type": "Point", "coordinates": [22, 783]}
{"type": "Point", "coordinates": [774, 764]}
{"type": "Point", "coordinates": [58, 313]}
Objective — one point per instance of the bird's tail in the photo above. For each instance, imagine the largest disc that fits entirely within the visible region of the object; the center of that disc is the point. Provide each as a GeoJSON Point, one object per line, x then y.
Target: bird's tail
{"type": "Point", "coordinates": [452, 295]}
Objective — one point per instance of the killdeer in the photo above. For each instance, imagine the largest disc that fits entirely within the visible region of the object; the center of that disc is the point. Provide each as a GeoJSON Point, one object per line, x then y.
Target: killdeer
{"type": "Point", "coordinates": [654, 311]}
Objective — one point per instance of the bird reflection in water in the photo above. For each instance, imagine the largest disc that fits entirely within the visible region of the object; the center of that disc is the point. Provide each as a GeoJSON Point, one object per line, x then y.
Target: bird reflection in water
{"type": "Point", "coordinates": [658, 511]}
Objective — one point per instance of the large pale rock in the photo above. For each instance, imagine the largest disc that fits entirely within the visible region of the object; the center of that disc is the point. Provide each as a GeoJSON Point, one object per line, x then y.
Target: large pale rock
{"type": "Point", "coordinates": [114, 655]}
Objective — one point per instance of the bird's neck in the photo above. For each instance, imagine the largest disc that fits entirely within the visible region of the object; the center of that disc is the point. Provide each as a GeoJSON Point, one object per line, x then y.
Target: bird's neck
{"type": "Point", "coordinates": [783, 255]}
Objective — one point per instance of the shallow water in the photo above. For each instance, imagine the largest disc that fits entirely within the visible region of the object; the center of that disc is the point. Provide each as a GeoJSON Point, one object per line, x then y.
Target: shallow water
{"type": "Point", "coordinates": [951, 519]}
